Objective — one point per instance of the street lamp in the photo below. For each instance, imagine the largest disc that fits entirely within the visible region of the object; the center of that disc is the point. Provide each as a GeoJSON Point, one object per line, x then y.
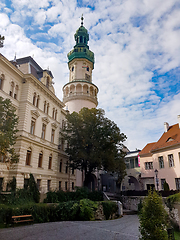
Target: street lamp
{"type": "Point", "coordinates": [157, 180]}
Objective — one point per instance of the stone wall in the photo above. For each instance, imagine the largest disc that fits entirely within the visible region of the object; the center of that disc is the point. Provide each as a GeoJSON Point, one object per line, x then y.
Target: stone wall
{"type": "Point", "coordinates": [131, 202]}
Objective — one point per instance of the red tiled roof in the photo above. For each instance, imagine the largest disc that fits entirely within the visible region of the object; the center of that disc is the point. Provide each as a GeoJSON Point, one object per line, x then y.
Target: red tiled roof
{"type": "Point", "coordinates": [169, 138]}
{"type": "Point", "coordinates": [147, 149]}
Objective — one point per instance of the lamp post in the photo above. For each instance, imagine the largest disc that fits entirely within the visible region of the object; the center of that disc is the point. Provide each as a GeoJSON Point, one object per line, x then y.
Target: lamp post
{"type": "Point", "coordinates": [157, 180]}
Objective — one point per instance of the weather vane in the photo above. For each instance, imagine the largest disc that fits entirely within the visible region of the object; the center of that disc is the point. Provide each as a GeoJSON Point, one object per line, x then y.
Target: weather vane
{"type": "Point", "coordinates": [82, 20]}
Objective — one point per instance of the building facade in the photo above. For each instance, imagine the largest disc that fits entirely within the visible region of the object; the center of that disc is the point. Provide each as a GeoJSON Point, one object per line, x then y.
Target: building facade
{"type": "Point", "coordinates": [41, 115]}
{"type": "Point", "coordinates": [160, 161]}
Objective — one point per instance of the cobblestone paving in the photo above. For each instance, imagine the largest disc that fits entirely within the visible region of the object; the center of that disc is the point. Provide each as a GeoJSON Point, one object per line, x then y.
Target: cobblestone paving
{"type": "Point", "coordinates": [125, 228]}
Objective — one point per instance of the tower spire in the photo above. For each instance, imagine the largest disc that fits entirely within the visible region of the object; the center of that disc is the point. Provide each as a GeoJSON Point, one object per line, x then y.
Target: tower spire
{"type": "Point", "coordinates": [82, 18]}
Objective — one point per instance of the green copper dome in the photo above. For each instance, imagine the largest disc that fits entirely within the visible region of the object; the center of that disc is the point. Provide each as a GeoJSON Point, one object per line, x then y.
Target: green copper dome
{"type": "Point", "coordinates": [81, 49]}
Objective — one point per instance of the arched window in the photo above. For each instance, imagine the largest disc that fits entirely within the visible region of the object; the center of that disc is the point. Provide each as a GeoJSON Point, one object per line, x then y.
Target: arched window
{"type": "Point", "coordinates": [88, 69]}
{"type": "Point", "coordinates": [50, 162]}
{"type": "Point", "coordinates": [44, 106]}
{"type": "Point", "coordinates": [60, 166]}
{"type": "Point", "coordinates": [81, 39]}
{"type": "Point", "coordinates": [55, 114]}
{"type": "Point", "coordinates": [40, 159]}
{"type": "Point", "coordinates": [16, 92]}
{"type": "Point", "coordinates": [37, 103]}
{"type": "Point", "coordinates": [47, 108]}
{"type": "Point", "coordinates": [34, 99]}
{"type": "Point", "coordinates": [72, 68]}
{"type": "Point", "coordinates": [1, 81]}
{"type": "Point", "coordinates": [11, 89]}
{"type": "Point", "coordinates": [28, 157]}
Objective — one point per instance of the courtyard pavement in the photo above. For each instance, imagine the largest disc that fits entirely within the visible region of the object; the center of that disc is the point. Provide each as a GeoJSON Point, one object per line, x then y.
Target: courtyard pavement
{"type": "Point", "coordinates": [125, 228]}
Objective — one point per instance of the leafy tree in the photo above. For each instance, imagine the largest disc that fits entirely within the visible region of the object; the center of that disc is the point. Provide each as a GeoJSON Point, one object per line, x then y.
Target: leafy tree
{"type": "Point", "coordinates": [33, 189]}
{"type": "Point", "coordinates": [153, 218]}
{"type": "Point", "coordinates": [1, 40]}
{"type": "Point", "coordinates": [8, 130]}
{"type": "Point", "coordinates": [94, 142]}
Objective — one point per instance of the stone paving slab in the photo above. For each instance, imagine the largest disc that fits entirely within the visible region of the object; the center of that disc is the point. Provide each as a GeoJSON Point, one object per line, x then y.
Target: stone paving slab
{"type": "Point", "coordinates": [125, 228]}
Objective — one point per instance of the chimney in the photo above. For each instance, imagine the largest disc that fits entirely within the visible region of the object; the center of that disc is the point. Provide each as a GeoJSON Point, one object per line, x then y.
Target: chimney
{"type": "Point", "coordinates": [178, 120]}
{"type": "Point", "coordinates": [166, 126]}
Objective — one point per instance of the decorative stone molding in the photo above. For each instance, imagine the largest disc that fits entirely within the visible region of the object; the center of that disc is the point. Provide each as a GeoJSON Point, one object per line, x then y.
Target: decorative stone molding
{"type": "Point", "coordinates": [54, 125]}
{"type": "Point", "coordinates": [35, 113]}
{"type": "Point", "coordinates": [45, 120]}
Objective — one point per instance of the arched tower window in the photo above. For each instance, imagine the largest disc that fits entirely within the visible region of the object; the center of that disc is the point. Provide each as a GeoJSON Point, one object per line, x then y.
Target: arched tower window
{"type": "Point", "coordinates": [55, 114]}
{"type": "Point", "coordinates": [47, 108]}
{"type": "Point", "coordinates": [81, 39]}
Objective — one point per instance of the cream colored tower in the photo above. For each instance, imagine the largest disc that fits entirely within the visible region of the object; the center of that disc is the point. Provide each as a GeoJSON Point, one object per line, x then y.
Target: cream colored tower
{"type": "Point", "coordinates": [80, 91]}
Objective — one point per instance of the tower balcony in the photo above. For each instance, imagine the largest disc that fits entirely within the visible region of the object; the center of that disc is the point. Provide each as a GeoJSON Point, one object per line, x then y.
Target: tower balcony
{"type": "Point", "coordinates": [80, 90]}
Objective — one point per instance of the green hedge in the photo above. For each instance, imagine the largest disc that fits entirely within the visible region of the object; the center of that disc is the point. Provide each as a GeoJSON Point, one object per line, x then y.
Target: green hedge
{"type": "Point", "coordinates": [80, 193]}
{"type": "Point", "coordinates": [83, 210]}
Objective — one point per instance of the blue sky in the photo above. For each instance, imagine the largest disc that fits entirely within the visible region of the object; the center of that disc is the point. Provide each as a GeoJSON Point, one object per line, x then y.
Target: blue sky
{"type": "Point", "coordinates": [137, 54]}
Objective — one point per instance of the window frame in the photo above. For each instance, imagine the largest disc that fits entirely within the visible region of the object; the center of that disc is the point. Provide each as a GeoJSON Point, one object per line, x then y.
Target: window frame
{"type": "Point", "coordinates": [171, 160]}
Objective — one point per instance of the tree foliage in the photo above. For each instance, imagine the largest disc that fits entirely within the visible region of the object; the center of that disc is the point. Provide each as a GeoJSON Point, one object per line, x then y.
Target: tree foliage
{"type": "Point", "coordinates": [8, 130]}
{"type": "Point", "coordinates": [153, 218]}
{"type": "Point", "coordinates": [33, 189]}
{"type": "Point", "coordinates": [94, 141]}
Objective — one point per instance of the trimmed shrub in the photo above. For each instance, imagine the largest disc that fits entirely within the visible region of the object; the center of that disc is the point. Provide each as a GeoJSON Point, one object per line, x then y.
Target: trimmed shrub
{"type": "Point", "coordinates": [110, 209]}
{"type": "Point", "coordinates": [153, 218]}
{"type": "Point", "coordinates": [80, 193]}
{"type": "Point", "coordinates": [166, 186]}
{"type": "Point", "coordinates": [83, 210]}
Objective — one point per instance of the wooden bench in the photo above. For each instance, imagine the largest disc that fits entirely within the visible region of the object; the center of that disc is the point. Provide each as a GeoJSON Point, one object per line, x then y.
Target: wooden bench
{"type": "Point", "coordinates": [22, 218]}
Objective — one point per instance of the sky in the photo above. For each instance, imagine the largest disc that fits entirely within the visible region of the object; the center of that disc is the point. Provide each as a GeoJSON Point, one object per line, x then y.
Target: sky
{"type": "Point", "coordinates": [137, 54]}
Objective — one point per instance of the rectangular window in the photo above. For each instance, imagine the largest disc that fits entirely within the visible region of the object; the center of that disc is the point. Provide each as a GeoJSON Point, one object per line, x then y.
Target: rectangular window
{"type": "Point", "coordinates": [10, 93]}
{"type": "Point", "coordinates": [39, 184]}
{"type": "Point", "coordinates": [171, 160]}
{"type": "Point", "coordinates": [66, 184]}
{"type": "Point", "coordinates": [28, 157]}
{"type": "Point", "coordinates": [59, 185]}
{"type": "Point", "coordinates": [1, 184]}
{"type": "Point", "coordinates": [72, 170]}
{"type": "Point", "coordinates": [72, 185]}
{"type": "Point", "coordinates": [60, 166]}
{"type": "Point", "coordinates": [177, 181]}
{"type": "Point", "coordinates": [50, 162]}
{"type": "Point", "coordinates": [148, 165]}
{"type": "Point", "coordinates": [32, 128]}
{"type": "Point", "coordinates": [62, 144]}
{"type": "Point", "coordinates": [26, 183]}
{"type": "Point", "coordinates": [43, 131]}
{"type": "Point", "coordinates": [67, 167]}
{"type": "Point", "coordinates": [49, 185]}
{"type": "Point", "coordinates": [40, 160]}
{"type": "Point", "coordinates": [162, 183]}
{"type": "Point", "coordinates": [127, 164]}
{"type": "Point", "coordinates": [132, 163]}
{"type": "Point", "coordinates": [52, 135]}
{"type": "Point", "coordinates": [136, 162]}
{"type": "Point", "coordinates": [161, 162]}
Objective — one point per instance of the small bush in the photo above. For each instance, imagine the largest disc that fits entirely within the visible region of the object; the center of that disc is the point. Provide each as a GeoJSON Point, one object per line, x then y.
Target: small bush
{"type": "Point", "coordinates": [109, 208]}
{"type": "Point", "coordinates": [153, 218]}
{"type": "Point", "coordinates": [166, 186]}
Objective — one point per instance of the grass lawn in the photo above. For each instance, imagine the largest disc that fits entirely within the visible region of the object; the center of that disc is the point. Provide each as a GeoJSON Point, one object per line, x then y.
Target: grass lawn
{"type": "Point", "coordinates": [177, 235]}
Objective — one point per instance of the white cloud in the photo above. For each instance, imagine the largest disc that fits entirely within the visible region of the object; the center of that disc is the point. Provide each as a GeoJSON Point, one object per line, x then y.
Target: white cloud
{"type": "Point", "coordinates": [131, 39]}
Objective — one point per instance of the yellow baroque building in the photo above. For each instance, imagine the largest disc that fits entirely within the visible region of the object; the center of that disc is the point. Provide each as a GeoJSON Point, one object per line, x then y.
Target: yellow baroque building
{"type": "Point", "coordinates": [41, 116]}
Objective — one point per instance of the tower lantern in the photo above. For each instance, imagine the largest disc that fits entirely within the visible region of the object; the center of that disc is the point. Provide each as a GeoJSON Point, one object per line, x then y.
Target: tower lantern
{"type": "Point", "coordinates": [80, 91]}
